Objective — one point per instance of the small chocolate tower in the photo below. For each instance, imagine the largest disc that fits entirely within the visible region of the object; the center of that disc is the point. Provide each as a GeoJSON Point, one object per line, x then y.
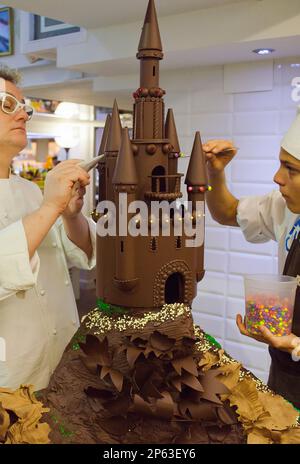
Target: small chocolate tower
{"type": "Point", "coordinates": [142, 273]}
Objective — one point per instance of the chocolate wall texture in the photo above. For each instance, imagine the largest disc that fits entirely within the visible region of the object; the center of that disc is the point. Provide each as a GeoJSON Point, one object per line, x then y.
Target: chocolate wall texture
{"type": "Point", "coordinates": [144, 273]}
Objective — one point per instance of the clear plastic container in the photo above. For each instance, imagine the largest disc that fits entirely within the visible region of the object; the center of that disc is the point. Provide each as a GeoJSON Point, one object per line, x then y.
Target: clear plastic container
{"type": "Point", "coordinates": [269, 301]}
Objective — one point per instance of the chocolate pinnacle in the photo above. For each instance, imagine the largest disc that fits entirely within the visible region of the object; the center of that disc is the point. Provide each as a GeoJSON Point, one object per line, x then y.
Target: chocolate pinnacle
{"type": "Point", "coordinates": [171, 132]}
{"type": "Point", "coordinates": [115, 131]}
{"type": "Point", "coordinates": [105, 135]}
{"type": "Point", "coordinates": [197, 175]}
{"type": "Point", "coordinates": [150, 38]}
{"type": "Point", "coordinates": [125, 170]}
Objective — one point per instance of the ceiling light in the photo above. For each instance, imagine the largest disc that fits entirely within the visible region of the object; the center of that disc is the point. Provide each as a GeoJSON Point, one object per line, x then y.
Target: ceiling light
{"type": "Point", "coordinates": [263, 51]}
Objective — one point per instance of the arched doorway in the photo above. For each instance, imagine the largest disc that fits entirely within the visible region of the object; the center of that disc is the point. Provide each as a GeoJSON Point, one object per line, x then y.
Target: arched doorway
{"type": "Point", "coordinates": [174, 288]}
{"type": "Point", "coordinates": [158, 184]}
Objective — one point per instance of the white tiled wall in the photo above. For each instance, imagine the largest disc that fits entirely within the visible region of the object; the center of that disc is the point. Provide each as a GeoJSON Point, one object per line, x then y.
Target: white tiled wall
{"type": "Point", "coordinates": [256, 122]}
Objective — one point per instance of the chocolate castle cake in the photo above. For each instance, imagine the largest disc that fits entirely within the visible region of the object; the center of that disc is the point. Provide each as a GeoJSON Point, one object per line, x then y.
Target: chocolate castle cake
{"type": "Point", "coordinates": [138, 370]}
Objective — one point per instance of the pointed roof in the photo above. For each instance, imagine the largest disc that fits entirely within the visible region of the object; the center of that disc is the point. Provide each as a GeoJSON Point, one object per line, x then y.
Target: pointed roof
{"type": "Point", "coordinates": [115, 131]}
{"type": "Point", "coordinates": [150, 38]}
{"type": "Point", "coordinates": [125, 170]}
{"type": "Point", "coordinates": [197, 174]}
{"type": "Point", "coordinates": [105, 135]}
{"type": "Point", "coordinates": [171, 132]}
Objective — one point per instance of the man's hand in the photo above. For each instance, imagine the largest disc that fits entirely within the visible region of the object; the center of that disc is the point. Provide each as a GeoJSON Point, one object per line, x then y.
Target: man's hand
{"type": "Point", "coordinates": [76, 202]}
{"type": "Point", "coordinates": [218, 153]}
{"type": "Point", "coordinates": [59, 191]}
{"type": "Point", "coordinates": [285, 343]}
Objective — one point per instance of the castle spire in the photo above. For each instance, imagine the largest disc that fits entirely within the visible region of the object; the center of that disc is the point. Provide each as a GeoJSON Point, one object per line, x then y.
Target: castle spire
{"type": "Point", "coordinates": [150, 39]}
{"type": "Point", "coordinates": [125, 170]}
{"type": "Point", "coordinates": [105, 135]}
{"type": "Point", "coordinates": [196, 174]}
{"type": "Point", "coordinates": [113, 142]}
{"type": "Point", "coordinates": [171, 132]}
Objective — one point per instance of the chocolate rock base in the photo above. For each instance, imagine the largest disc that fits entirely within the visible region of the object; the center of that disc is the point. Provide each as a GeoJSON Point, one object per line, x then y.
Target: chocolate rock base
{"type": "Point", "coordinates": [138, 379]}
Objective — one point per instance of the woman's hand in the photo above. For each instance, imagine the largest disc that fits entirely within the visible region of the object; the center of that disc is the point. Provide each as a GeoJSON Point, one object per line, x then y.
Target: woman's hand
{"type": "Point", "coordinates": [285, 343]}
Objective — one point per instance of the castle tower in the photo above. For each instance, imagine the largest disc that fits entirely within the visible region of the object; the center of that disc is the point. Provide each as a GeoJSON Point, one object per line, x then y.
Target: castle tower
{"type": "Point", "coordinates": [112, 147]}
{"type": "Point", "coordinates": [101, 165]}
{"type": "Point", "coordinates": [174, 148]}
{"type": "Point", "coordinates": [125, 180]}
{"type": "Point", "coordinates": [142, 272]}
{"type": "Point", "coordinates": [197, 183]}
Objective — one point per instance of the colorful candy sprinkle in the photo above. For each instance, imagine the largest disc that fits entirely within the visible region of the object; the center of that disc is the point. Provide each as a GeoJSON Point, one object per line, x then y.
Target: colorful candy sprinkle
{"type": "Point", "coordinates": [273, 313]}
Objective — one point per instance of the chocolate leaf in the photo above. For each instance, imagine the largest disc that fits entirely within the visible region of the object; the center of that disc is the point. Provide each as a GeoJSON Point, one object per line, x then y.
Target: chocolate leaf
{"type": "Point", "coordinates": [187, 363]}
{"type": "Point", "coordinates": [104, 371]}
{"type": "Point", "coordinates": [212, 386]}
{"type": "Point", "coordinates": [201, 411]}
{"type": "Point", "coordinates": [165, 406]}
{"type": "Point", "coordinates": [227, 415]}
{"type": "Point", "coordinates": [91, 347]}
{"type": "Point", "coordinates": [116, 378]}
{"type": "Point", "coordinates": [132, 354]}
{"type": "Point", "coordinates": [141, 406]}
{"type": "Point", "coordinates": [161, 342]}
{"type": "Point", "coordinates": [176, 382]}
{"type": "Point", "coordinates": [149, 390]}
{"type": "Point", "coordinates": [191, 381]}
{"type": "Point", "coordinates": [218, 434]}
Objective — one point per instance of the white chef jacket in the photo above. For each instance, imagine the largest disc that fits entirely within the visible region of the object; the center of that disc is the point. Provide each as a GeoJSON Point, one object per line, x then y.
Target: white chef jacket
{"type": "Point", "coordinates": [264, 218]}
{"type": "Point", "coordinates": [38, 313]}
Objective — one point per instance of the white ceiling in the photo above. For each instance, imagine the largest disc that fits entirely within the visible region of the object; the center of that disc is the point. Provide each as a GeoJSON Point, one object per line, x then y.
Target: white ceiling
{"type": "Point", "coordinates": [101, 13]}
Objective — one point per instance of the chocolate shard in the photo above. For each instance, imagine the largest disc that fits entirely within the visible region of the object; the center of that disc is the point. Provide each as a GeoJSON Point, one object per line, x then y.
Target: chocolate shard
{"type": "Point", "coordinates": [165, 406]}
{"type": "Point", "coordinates": [161, 342]}
{"type": "Point", "coordinates": [132, 354]}
{"type": "Point", "coordinates": [191, 381]}
{"type": "Point", "coordinates": [203, 411]}
{"type": "Point", "coordinates": [212, 386]}
{"type": "Point", "coordinates": [187, 363]}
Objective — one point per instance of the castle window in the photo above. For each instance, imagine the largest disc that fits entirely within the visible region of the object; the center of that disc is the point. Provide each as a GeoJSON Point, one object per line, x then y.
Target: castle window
{"type": "Point", "coordinates": [154, 71]}
{"type": "Point", "coordinates": [122, 246]}
{"type": "Point", "coordinates": [178, 242]}
{"type": "Point", "coordinates": [158, 179]}
{"type": "Point", "coordinates": [154, 244]}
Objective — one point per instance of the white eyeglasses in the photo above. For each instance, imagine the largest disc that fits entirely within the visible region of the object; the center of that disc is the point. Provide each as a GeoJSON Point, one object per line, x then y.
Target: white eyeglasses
{"type": "Point", "coordinates": [10, 105]}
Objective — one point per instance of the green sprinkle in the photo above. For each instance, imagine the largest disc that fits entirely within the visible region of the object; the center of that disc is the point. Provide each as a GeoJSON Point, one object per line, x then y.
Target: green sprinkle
{"type": "Point", "coordinates": [212, 341]}
{"type": "Point", "coordinates": [109, 309]}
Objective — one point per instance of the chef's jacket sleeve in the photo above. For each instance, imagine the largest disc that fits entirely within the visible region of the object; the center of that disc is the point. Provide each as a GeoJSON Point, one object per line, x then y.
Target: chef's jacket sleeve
{"type": "Point", "coordinates": [17, 271]}
{"type": "Point", "coordinates": [257, 216]}
{"type": "Point", "coordinates": [75, 256]}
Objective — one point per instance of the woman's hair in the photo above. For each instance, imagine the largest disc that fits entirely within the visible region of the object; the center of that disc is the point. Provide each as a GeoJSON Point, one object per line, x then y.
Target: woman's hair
{"type": "Point", "coordinates": [11, 75]}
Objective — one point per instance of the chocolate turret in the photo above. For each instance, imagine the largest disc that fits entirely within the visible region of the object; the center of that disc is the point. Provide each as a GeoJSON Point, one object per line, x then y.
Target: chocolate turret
{"type": "Point", "coordinates": [171, 132]}
{"type": "Point", "coordinates": [196, 174]}
{"type": "Point", "coordinates": [125, 171]}
{"type": "Point", "coordinates": [113, 142]}
{"type": "Point", "coordinates": [105, 135]}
